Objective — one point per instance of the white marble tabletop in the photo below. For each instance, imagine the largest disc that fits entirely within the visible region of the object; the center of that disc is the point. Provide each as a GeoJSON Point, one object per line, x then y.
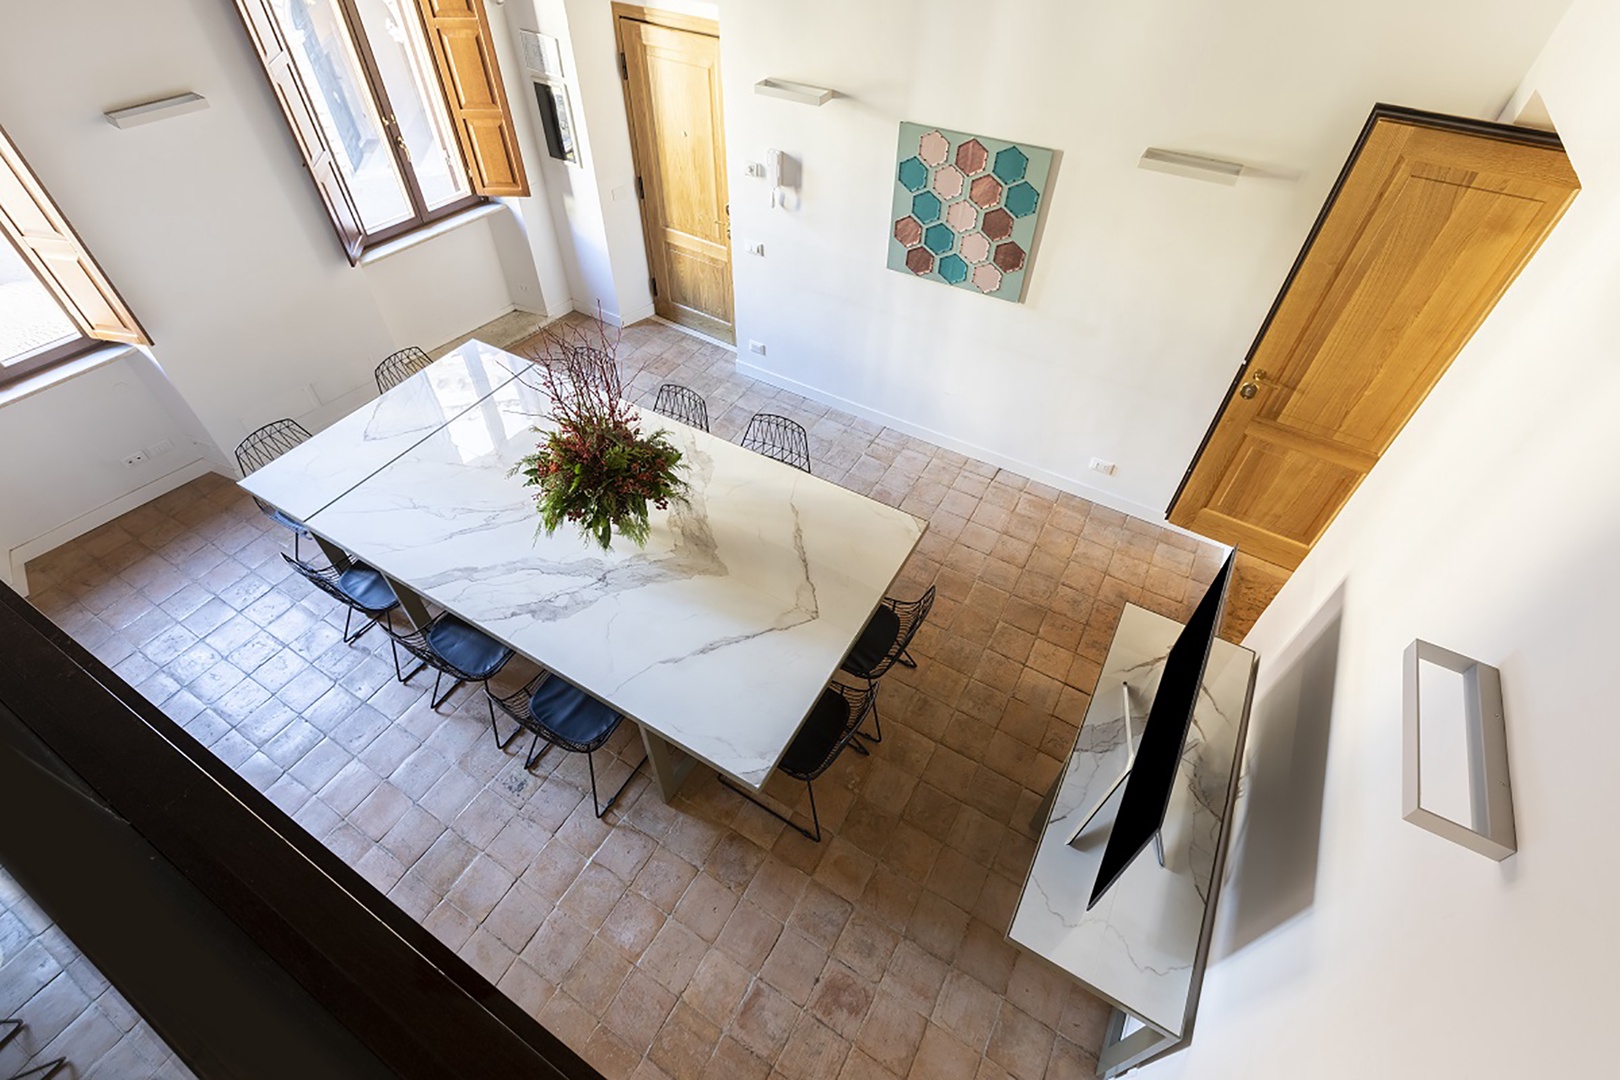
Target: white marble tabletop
{"type": "Point", "coordinates": [312, 475]}
{"type": "Point", "coordinates": [718, 636]}
{"type": "Point", "coordinates": [1140, 946]}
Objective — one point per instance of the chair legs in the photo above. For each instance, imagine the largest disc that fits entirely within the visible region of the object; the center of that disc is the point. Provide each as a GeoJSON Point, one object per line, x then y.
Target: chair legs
{"type": "Point", "coordinates": [350, 639]}
{"type": "Point", "coordinates": [400, 674]}
{"type": "Point", "coordinates": [440, 699]}
{"type": "Point", "coordinates": [815, 818]}
{"type": "Point", "coordinates": [590, 762]}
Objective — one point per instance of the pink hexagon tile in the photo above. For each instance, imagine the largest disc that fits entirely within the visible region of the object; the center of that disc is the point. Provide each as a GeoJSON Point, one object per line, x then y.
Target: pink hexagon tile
{"type": "Point", "coordinates": [962, 216]}
{"type": "Point", "coordinates": [948, 182]}
{"type": "Point", "coordinates": [975, 247]}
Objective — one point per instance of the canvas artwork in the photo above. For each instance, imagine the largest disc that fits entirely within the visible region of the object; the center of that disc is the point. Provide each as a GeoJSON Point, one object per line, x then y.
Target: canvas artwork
{"type": "Point", "coordinates": [966, 209]}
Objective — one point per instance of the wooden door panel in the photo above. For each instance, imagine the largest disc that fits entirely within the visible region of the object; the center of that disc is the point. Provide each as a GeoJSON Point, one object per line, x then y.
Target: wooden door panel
{"type": "Point", "coordinates": [1283, 490]}
{"type": "Point", "coordinates": [698, 282]}
{"type": "Point", "coordinates": [1431, 220]}
{"type": "Point", "coordinates": [672, 92]}
{"type": "Point", "coordinates": [680, 94]}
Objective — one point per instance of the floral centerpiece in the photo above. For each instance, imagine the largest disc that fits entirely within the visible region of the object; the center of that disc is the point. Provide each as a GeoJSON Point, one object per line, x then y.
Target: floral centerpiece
{"type": "Point", "coordinates": [595, 468]}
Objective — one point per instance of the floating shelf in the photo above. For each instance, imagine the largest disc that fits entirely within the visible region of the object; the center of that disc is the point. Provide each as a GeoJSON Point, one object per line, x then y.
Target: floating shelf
{"type": "Point", "coordinates": [161, 109]}
{"type": "Point", "coordinates": [792, 91]}
{"type": "Point", "coordinates": [1192, 166]}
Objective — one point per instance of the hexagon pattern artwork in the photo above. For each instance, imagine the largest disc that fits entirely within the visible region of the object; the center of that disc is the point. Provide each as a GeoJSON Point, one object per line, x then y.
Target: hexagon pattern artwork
{"type": "Point", "coordinates": [966, 209]}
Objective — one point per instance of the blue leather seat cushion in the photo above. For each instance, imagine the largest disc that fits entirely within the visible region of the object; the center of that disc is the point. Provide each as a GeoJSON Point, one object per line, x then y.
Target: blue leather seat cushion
{"type": "Point", "coordinates": [882, 631]}
{"type": "Point", "coordinates": [465, 648]}
{"type": "Point", "coordinates": [820, 732]}
{"type": "Point", "coordinates": [571, 713]}
{"type": "Point", "coordinates": [367, 588]}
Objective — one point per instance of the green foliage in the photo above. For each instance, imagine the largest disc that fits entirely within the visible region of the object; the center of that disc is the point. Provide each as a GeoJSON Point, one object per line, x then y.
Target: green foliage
{"type": "Point", "coordinates": [595, 469]}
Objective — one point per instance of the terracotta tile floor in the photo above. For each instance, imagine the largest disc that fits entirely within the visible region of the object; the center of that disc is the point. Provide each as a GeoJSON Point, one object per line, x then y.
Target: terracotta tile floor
{"type": "Point", "coordinates": [700, 938]}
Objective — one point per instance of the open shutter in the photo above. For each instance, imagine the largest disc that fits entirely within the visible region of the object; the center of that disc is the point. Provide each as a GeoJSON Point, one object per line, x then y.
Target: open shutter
{"type": "Point", "coordinates": [60, 260]}
{"type": "Point", "coordinates": [271, 47]}
{"type": "Point", "coordinates": [458, 33]}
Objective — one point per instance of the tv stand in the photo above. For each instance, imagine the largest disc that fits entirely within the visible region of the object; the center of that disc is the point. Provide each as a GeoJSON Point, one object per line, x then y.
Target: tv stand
{"type": "Point", "coordinates": [1144, 946]}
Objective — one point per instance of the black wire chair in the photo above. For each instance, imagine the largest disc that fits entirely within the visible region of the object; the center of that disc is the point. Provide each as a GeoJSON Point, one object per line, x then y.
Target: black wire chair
{"type": "Point", "coordinates": [354, 585]}
{"type": "Point", "coordinates": [831, 726]}
{"type": "Point", "coordinates": [399, 366]}
{"type": "Point", "coordinates": [450, 647]}
{"type": "Point", "coordinates": [883, 644]}
{"type": "Point", "coordinates": [259, 449]}
{"type": "Point", "coordinates": [679, 403]}
{"type": "Point", "coordinates": [778, 437]}
{"type": "Point", "coordinates": [563, 715]}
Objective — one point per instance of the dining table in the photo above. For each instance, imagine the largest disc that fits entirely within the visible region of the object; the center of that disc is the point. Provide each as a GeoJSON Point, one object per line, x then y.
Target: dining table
{"type": "Point", "coordinates": [716, 638]}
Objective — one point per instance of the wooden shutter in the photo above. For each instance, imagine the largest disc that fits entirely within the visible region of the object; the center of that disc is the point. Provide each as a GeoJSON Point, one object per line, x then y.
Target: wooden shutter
{"type": "Point", "coordinates": [265, 32]}
{"type": "Point", "coordinates": [458, 33]}
{"type": "Point", "coordinates": [58, 257]}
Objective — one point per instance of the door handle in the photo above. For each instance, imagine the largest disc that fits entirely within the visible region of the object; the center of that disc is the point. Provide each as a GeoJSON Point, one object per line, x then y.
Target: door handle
{"type": "Point", "coordinates": [1252, 387]}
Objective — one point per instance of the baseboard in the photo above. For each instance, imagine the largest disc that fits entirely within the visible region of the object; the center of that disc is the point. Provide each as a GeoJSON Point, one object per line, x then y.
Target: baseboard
{"type": "Point", "coordinates": [82, 524]}
{"type": "Point", "coordinates": [690, 332]}
{"type": "Point", "coordinates": [602, 314]}
{"type": "Point", "coordinates": [961, 446]}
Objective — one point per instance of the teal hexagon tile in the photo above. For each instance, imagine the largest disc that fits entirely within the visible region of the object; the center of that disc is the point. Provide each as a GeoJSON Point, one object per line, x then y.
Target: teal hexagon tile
{"type": "Point", "coordinates": [914, 174]}
{"type": "Point", "coordinates": [953, 269]}
{"type": "Point", "coordinates": [1011, 164]}
{"type": "Point", "coordinates": [939, 239]}
{"type": "Point", "coordinates": [925, 207]}
{"type": "Point", "coordinates": [1022, 199]}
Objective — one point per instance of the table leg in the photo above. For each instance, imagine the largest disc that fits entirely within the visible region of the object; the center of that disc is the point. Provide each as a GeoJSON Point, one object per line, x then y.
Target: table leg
{"type": "Point", "coordinates": [332, 552]}
{"type": "Point", "coordinates": [670, 765]}
{"type": "Point", "coordinates": [410, 603]}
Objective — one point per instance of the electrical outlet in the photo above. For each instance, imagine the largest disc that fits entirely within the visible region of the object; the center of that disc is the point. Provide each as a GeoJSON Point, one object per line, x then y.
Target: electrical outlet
{"type": "Point", "coordinates": [1104, 467]}
{"type": "Point", "coordinates": [134, 459]}
{"type": "Point", "coordinates": [757, 348]}
{"type": "Point", "coordinates": [162, 446]}
{"type": "Point", "coordinates": [754, 249]}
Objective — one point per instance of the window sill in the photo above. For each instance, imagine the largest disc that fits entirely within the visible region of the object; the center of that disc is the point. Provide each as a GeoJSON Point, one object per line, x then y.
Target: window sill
{"type": "Point", "coordinates": [40, 381]}
{"type": "Point", "coordinates": [428, 232]}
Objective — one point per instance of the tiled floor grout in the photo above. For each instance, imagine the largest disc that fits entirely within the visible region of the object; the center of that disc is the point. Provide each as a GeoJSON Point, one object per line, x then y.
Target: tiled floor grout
{"type": "Point", "coordinates": [700, 938]}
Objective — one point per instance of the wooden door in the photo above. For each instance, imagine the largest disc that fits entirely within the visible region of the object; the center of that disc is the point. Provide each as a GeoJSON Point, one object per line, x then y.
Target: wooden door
{"type": "Point", "coordinates": [671, 68]}
{"type": "Point", "coordinates": [1430, 221]}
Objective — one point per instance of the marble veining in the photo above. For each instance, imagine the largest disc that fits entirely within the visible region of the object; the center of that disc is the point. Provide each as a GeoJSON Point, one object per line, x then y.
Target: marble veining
{"type": "Point", "coordinates": [1139, 945]}
{"type": "Point", "coordinates": [314, 474]}
{"type": "Point", "coordinates": [719, 635]}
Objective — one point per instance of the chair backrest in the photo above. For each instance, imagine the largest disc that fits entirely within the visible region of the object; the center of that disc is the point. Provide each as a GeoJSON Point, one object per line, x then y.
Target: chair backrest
{"type": "Point", "coordinates": [911, 613]}
{"type": "Point", "coordinates": [268, 443]}
{"type": "Point", "coordinates": [679, 403]}
{"type": "Point", "coordinates": [324, 580]}
{"type": "Point", "coordinates": [780, 438]}
{"type": "Point", "coordinates": [858, 701]}
{"type": "Point", "coordinates": [399, 366]}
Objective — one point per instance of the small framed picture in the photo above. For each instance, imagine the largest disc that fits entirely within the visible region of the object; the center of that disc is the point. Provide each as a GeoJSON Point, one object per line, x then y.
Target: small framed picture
{"type": "Point", "coordinates": [541, 55]}
{"type": "Point", "coordinates": [557, 120]}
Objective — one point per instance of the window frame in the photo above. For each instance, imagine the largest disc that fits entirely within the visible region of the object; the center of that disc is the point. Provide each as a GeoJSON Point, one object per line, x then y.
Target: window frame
{"type": "Point", "coordinates": [421, 216]}
{"type": "Point", "coordinates": [46, 242]}
{"type": "Point", "coordinates": [477, 126]}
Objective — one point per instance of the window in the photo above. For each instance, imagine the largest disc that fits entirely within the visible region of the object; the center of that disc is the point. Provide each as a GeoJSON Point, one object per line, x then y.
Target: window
{"type": "Point", "coordinates": [55, 301]}
{"type": "Point", "coordinates": [396, 105]}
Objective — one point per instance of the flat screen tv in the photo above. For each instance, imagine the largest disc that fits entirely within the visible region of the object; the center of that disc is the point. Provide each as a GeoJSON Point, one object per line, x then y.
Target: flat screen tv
{"type": "Point", "coordinates": [1158, 754]}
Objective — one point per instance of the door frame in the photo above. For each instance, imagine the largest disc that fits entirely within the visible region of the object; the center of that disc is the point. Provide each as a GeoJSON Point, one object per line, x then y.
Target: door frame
{"type": "Point", "coordinates": [670, 20]}
{"type": "Point", "coordinates": [1438, 121]}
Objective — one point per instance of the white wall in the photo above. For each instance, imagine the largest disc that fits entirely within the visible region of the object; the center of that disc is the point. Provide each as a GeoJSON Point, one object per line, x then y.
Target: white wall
{"type": "Point", "coordinates": [1489, 528]}
{"type": "Point", "coordinates": [60, 468]}
{"type": "Point", "coordinates": [1147, 289]}
{"type": "Point", "coordinates": [212, 231]}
